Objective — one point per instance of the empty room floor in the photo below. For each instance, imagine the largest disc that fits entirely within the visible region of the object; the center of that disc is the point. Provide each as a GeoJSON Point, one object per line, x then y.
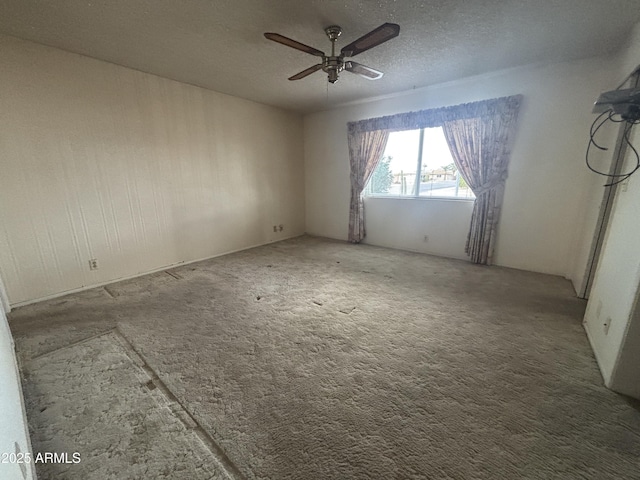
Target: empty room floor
{"type": "Point", "coordinates": [318, 359]}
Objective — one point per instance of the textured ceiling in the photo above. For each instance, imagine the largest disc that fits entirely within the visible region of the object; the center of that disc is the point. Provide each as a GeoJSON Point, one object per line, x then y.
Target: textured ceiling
{"type": "Point", "coordinates": [218, 44]}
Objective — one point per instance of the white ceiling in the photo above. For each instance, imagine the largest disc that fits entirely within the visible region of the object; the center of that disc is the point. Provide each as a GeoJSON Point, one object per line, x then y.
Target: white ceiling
{"type": "Point", "coordinates": [218, 44]}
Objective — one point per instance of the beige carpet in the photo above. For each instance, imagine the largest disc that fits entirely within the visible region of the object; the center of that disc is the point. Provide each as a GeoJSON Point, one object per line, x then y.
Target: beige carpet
{"type": "Point", "coordinates": [314, 359]}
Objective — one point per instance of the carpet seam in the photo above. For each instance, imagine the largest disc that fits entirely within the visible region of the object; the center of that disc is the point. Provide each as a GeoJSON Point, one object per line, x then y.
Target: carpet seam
{"type": "Point", "coordinates": [216, 450]}
{"type": "Point", "coordinates": [70, 345]}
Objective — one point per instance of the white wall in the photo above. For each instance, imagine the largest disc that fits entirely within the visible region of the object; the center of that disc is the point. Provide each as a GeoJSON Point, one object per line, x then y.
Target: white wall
{"type": "Point", "coordinates": [627, 59]}
{"type": "Point", "coordinates": [615, 286]}
{"type": "Point", "coordinates": [544, 207]}
{"type": "Point", "coordinates": [616, 280]}
{"type": "Point", "coordinates": [614, 298]}
{"type": "Point", "coordinates": [626, 375]}
{"type": "Point", "coordinates": [140, 172]}
{"type": "Point", "coordinates": [13, 421]}
{"type": "Point", "coordinates": [387, 221]}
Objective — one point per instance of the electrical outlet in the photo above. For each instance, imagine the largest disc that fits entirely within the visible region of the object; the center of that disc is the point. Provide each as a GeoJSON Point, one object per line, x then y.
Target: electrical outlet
{"type": "Point", "coordinates": [425, 239]}
{"type": "Point", "coordinates": [606, 326]}
{"type": "Point", "coordinates": [281, 227]}
{"type": "Point", "coordinates": [93, 264]}
{"type": "Point", "coordinates": [275, 228]}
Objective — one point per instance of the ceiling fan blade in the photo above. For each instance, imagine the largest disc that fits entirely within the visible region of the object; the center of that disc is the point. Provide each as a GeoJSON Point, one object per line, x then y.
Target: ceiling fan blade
{"type": "Point", "coordinates": [306, 72]}
{"type": "Point", "coordinates": [276, 37]}
{"type": "Point", "coordinates": [362, 70]}
{"type": "Point", "coordinates": [384, 32]}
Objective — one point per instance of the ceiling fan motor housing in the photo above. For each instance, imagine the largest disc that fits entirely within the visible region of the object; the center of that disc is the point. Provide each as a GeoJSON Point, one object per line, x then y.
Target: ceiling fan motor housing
{"type": "Point", "coordinates": [332, 66]}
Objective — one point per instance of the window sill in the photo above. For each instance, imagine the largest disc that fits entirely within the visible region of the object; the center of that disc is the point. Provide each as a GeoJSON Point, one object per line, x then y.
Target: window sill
{"type": "Point", "coordinates": [408, 197]}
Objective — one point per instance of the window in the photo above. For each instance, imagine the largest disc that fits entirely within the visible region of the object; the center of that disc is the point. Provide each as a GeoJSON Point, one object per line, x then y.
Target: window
{"type": "Point", "coordinates": [418, 163]}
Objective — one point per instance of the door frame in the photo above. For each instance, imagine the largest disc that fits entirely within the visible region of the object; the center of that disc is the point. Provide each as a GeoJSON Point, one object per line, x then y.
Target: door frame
{"type": "Point", "coordinates": [4, 298]}
{"type": "Point", "coordinates": [608, 198]}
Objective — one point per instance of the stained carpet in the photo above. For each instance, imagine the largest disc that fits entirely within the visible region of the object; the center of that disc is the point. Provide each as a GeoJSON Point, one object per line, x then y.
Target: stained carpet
{"type": "Point", "coordinates": [315, 359]}
{"type": "Point", "coordinates": [93, 403]}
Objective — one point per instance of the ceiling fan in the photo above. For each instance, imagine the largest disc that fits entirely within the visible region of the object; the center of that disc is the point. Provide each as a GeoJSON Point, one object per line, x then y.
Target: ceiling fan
{"type": "Point", "coordinates": [333, 64]}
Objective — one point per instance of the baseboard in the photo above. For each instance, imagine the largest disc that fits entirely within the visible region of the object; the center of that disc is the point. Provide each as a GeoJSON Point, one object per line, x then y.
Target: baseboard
{"type": "Point", "coordinates": [318, 235]}
{"type": "Point", "coordinates": [142, 274]}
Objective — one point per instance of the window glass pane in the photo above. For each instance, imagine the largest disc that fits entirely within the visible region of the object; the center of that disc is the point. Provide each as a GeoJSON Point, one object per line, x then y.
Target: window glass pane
{"type": "Point", "coordinates": [439, 175]}
{"type": "Point", "coordinates": [396, 172]}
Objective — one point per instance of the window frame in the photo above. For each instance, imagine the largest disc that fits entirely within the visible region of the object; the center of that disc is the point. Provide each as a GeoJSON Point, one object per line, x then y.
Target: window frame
{"type": "Point", "coordinates": [416, 195]}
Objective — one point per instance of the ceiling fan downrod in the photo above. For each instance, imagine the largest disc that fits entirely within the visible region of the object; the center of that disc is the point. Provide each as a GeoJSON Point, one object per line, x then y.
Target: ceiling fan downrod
{"type": "Point", "coordinates": [333, 64]}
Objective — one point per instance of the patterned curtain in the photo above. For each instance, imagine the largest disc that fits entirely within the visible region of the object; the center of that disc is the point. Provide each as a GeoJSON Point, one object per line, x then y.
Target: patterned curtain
{"type": "Point", "coordinates": [365, 152]}
{"type": "Point", "coordinates": [480, 148]}
{"type": "Point", "coordinates": [478, 134]}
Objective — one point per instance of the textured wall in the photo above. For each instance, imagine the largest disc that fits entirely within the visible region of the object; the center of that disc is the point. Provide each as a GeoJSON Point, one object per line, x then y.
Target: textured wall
{"type": "Point", "coordinates": [543, 214]}
{"type": "Point", "coordinates": [140, 172]}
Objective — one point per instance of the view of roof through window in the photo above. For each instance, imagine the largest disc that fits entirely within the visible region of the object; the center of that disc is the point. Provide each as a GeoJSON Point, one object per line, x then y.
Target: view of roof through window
{"type": "Point", "coordinates": [405, 170]}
